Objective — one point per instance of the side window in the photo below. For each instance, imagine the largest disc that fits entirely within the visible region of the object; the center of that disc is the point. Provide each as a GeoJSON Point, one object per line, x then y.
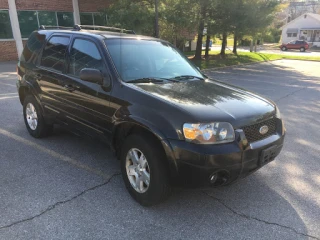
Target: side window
{"type": "Point", "coordinates": [84, 54]}
{"type": "Point", "coordinates": [53, 55]}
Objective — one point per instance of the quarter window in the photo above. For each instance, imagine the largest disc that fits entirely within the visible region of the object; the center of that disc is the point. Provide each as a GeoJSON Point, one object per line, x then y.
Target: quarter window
{"type": "Point", "coordinates": [84, 54]}
{"type": "Point", "coordinates": [53, 55]}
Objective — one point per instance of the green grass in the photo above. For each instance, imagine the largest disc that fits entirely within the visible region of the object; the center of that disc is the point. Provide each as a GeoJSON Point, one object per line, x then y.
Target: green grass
{"type": "Point", "coordinates": [215, 59]}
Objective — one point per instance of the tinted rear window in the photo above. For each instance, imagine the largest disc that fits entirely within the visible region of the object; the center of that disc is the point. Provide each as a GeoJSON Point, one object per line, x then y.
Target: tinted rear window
{"type": "Point", "coordinates": [53, 55]}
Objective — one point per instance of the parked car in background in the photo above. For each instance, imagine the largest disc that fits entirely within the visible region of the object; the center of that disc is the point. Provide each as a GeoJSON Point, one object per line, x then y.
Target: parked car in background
{"type": "Point", "coordinates": [296, 44]}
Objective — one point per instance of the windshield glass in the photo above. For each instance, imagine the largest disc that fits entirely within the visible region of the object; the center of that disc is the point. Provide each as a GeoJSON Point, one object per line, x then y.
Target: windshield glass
{"type": "Point", "coordinates": [136, 59]}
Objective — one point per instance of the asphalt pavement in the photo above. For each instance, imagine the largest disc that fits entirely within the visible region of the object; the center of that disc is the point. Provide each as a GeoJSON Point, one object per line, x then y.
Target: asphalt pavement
{"type": "Point", "coordinates": [67, 187]}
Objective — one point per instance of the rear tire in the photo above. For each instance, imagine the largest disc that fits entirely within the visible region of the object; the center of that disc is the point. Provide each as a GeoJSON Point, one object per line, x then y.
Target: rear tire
{"type": "Point", "coordinates": [284, 49]}
{"type": "Point", "coordinates": [302, 49]}
{"type": "Point", "coordinates": [33, 118]}
{"type": "Point", "coordinates": [150, 171]}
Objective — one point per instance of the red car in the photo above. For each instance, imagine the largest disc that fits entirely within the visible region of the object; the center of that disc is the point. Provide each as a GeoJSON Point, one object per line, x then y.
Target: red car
{"type": "Point", "coordinates": [296, 44]}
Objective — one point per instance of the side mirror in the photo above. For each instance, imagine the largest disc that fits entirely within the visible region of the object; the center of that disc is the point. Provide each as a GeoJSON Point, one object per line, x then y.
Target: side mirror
{"type": "Point", "coordinates": [91, 75]}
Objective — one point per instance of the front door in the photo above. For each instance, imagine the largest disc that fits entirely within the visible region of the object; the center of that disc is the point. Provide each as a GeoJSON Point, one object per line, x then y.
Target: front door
{"type": "Point", "coordinates": [87, 103]}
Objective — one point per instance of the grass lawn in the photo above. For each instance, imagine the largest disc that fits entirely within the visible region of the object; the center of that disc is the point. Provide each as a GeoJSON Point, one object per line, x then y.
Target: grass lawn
{"type": "Point", "coordinates": [215, 59]}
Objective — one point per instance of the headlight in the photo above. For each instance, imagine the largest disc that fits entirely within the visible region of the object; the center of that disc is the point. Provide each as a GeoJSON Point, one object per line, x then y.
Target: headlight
{"type": "Point", "coordinates": [208, 133]}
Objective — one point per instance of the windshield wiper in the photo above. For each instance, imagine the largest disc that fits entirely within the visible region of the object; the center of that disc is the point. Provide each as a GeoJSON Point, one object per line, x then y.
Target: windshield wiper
{"type": "Point", "coordinates": [150, 80]}
{"type": "Point", "coordinates": [187, 77]}
{"type": "Point", "coordinates": [145, 80]}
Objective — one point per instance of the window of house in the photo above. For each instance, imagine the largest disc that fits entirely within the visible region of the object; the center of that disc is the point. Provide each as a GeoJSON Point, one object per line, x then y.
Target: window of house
{"type": "Point", "coordinates": [294, 34]}
{"type": "Point", "coordinates": [289, 34]}
{"type": "Point", "coordinates": [84, 54]}
{"type": "Point", "coordinates": [53, 55]}
{"type": "Point", "coordinates": [86, 18]}
{"type": "Point", "coordinates": [98, 19]}
{"type": "Point", "coordinates": [65, 19]}
{"type": "Point", "coordinates": [5, 25]}
{"type": "Point", "coordinates": [47, 18]}
{"type": "Point", "coordinates": [28, 21]}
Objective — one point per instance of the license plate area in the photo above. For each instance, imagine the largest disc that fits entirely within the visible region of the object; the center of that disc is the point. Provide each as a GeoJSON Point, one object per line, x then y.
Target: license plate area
{"type": "Point", "coordinates": [267, 155]}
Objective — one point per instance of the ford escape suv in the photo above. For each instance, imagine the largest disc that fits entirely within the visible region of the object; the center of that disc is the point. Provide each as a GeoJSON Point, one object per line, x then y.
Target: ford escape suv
{"type": "Point", "coordinates": [166, 122]}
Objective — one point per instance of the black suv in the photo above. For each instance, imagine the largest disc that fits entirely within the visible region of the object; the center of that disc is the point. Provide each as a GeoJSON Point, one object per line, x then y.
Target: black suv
{"type": "Point", "coordinates": [166, 122]}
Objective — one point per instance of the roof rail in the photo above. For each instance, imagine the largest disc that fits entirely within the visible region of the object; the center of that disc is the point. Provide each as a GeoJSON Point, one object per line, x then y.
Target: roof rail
{"type": "Point", "coordinates": [43, 27]}
{"type": "Point", "coordinates": [95, 27]}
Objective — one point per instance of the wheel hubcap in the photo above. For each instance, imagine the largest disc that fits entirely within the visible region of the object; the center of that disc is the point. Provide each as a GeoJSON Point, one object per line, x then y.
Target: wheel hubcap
{"type": "Point", "coordinates": [138, 170]}
{"type": "Point", "coordinates": [32, 117]}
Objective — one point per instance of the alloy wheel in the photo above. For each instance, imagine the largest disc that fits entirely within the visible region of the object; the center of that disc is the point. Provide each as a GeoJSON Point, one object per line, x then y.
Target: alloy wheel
{"type": "Point", "coordinates": [138, 171]}
{"type": "Point", "coordinates": [31, 116]}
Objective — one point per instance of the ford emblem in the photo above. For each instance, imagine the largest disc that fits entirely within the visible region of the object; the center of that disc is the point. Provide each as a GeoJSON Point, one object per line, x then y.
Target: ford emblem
{"type": "Point", "coordinates": [263, 130]}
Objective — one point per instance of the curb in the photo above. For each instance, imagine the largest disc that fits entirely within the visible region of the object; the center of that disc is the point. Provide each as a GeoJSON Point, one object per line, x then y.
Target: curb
{"type": "Point", "coordinates": [254, 63]}
{"type": "Point", "coordinates": [239, 65]}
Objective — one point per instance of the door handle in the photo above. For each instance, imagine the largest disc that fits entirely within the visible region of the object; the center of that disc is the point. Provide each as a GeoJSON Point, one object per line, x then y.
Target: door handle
{"type": "Point", "coordinates": [70, 88]}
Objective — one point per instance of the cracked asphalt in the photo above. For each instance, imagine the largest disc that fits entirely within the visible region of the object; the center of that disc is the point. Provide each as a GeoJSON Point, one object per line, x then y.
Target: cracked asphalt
{"type": "Point", "coordinates": [67, 187]}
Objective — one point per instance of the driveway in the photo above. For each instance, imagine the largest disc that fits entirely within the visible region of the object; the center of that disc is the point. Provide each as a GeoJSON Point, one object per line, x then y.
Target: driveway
{"type": "Point", "coordinates": [66, 187]}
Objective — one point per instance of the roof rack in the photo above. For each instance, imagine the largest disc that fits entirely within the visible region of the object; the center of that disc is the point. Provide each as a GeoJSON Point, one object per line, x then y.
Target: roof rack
{"type": "Point", "coordinates": [93, 27]}
{"type": "Point", "coordinates": [43, 27]}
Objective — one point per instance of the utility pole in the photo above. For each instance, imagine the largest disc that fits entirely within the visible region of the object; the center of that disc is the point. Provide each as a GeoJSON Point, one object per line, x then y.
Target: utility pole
{"type": "Point", "coordinates": [156, 19]}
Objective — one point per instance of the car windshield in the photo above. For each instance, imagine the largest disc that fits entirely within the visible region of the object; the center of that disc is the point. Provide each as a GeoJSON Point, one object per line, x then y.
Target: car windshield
{"type": "Point", "coordinates": [137, 59]}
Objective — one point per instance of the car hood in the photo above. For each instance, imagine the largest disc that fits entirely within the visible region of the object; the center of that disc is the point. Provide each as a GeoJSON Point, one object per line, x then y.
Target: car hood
{"type": "Point", "coordinates": [210, 100]}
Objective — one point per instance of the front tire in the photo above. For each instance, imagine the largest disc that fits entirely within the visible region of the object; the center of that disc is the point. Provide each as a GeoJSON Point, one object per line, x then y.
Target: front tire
{"type": "Point", "coordinates": [144, 170]}
{"type": "Point", "coordinates": [284, 49]}
{"type": "Point", "coordinates": [33, 118]}
{"type": "Point", "coordinates": [302, 49]}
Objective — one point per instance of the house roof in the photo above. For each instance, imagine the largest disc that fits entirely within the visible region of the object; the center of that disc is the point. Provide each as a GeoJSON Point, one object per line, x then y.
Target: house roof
{"type": "Point", "coordinates": [316, 16]}
{"type": "Point", "coordinates": [313, 15]}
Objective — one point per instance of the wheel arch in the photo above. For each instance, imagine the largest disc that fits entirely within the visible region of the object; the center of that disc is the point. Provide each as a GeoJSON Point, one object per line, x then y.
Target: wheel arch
{"type": "Point", "coordinates": [126, 128]}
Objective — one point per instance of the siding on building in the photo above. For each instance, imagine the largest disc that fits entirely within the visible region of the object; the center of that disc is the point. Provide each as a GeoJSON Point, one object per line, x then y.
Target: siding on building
{"type": "Point", "coordinates": [4, 4]}
{"type": "Point", "coordinates": [92, 5]}
{"type": "Point", "coordinates": [305, 21]}
{"type": "Point", "coordinates": [8, 50]}
{"type": "Point", "coordinates": [48, 5]}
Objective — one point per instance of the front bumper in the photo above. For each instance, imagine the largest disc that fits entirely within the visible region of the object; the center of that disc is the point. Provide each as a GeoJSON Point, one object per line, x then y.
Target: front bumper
{"type": "Point", "coordinates": [196, 164]}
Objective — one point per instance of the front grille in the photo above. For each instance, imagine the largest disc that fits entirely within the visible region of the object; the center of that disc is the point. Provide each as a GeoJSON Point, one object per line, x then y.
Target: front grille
{"type": "Point", "coordinates": [252, 132]}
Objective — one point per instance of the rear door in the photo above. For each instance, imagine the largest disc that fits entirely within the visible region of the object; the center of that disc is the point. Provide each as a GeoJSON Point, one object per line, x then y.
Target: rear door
{"type": "Point", "coordinates": [50, 73]}
{"type": "Point", "coordinates": [87, 103]}
{"type": "Point", "coordinates": [291, 45]}
{"type": "Point", "coordinates": [297, 45]}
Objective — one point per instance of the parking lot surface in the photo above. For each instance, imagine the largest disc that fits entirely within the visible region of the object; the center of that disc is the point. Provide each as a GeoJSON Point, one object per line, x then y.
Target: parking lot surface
{"type": "Point", "coordinates": [67, 187]}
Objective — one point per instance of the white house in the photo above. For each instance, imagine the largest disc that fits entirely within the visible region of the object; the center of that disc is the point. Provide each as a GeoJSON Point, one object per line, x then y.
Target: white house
{"type": "Point", "coordinates": [306, 27]}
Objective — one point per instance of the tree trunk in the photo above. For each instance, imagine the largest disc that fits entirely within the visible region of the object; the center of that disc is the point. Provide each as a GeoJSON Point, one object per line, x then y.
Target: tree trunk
{"type": "Point", "coordinates": [156, 22]}
{"type": "Point", "coordinates": [235, 42]}
{"type": "Point", "coordinates": [207, 46]}
{"type": "Point", "coordinates": [224, 44]}
{"type": "Point", "coordinates": [251, 45]}
{"type": "Point", "coordinates": [255, 45]}
{"type": "Point", "coordinates": [198, 55]}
